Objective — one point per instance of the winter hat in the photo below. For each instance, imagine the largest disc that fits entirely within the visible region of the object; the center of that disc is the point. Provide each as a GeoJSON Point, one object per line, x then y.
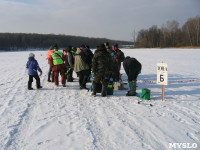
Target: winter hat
{"type": "Point", "coordinates": [69, 48]}
{"type": "Point", "coordinates": [106, 44]}
{"type": "Point", "coordinates": [55, 46]}
{"type": "Point", "coordinates": [83, 45]}
{"type": "Point", "coordinates": [74, 48]}
{"type": "Point", "coordinates": [51, 47]}
{"type": "Point", "coordinates": [102, 46]}
{"type": "Point", "coordinates": [87, 46]}
{"type": "Point", "coordinates": [31, 55]}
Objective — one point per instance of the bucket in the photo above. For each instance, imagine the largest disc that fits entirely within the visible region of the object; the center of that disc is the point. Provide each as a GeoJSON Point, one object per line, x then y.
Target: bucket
{"type": "Point", "coordinates": [146, 94]}
{"type": "Point", "coordinates": [110, 88]}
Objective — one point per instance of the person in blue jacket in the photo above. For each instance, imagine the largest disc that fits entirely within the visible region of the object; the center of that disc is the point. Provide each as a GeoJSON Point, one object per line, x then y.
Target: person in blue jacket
{"type": "Point", "coordinates": [33, 67]}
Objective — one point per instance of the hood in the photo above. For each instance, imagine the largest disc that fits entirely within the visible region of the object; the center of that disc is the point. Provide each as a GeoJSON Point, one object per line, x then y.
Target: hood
{"type": "Point", "coordinates": [78, 51]}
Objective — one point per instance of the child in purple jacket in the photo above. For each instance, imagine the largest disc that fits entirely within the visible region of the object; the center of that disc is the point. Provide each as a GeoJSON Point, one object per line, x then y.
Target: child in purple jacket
{"type": "Point", "coordinates": [33, 67]}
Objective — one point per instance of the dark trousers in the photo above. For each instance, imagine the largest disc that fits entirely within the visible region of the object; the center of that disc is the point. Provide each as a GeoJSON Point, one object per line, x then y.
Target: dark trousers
{"type": "Point", "coordinates": [103, 80]}
{"type": "Point", "coordinates": [69, 75]}
{"type": "Point", "coordinates": [37, 78]}
{"type": "Point", "coordinates": [50, 74]}
{"type": "Point", "coordinates": [83, 77]}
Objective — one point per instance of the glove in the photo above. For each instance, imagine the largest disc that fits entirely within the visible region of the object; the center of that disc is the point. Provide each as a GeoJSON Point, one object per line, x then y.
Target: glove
{"type": "Point", "coordinates": [91, 76]}
{"type": "Point", "coordinates": [40, 74]}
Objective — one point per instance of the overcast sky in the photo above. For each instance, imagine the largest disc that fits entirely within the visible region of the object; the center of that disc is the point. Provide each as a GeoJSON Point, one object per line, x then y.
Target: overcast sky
{"type": "Point", "coordinates": [113, 19]}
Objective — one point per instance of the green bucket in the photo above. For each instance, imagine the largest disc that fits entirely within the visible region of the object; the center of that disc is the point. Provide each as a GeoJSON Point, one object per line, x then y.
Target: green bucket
{"type": "Point", "coordinates": [146, 94]}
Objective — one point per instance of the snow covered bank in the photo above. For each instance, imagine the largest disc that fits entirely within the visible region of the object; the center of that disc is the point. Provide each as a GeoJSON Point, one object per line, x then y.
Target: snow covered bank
{"type": "Point", "coordinates": [69, 118]}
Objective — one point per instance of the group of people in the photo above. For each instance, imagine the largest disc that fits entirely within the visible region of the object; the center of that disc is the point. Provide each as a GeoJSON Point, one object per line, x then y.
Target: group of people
{"type": "Point", "coordinates": [103, 65]}
{"type": "Point", "coordinates": [64, 63]}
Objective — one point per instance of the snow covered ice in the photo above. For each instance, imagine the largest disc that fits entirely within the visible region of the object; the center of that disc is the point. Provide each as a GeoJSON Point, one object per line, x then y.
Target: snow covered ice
{"type": "Point", "coordinates": [70, 119]}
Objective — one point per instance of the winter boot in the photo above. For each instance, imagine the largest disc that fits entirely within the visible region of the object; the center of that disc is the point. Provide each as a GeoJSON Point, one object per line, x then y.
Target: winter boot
{"type": "Point", "coordinates": [84, 88]}
{"type": "Point", "coordinates": [94, 89]}
{"type": "Point", "coordinates": [104, 90]}
{"type": "Point", "coordinates": [132, 86]}
{"type": "Point", "coordinates": [69, 78]}
{"type": "Point", "coordinates": [49, 75]}
{"type": "Point", "coordinates": [30, 86]}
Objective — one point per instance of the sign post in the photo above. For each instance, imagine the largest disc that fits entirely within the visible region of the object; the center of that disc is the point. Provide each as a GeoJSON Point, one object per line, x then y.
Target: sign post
{"type": "Point", "coordinates": [163, 92]}
{"type": "Point", "coordinates": [162, 76]}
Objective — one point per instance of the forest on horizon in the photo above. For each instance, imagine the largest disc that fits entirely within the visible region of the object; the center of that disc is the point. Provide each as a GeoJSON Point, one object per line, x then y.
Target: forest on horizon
{"type": "Point", "coordinates": [23, 41]}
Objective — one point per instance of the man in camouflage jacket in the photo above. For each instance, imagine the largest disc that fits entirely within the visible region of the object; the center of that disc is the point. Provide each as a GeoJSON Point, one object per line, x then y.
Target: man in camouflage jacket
{"type": "Point", "coordinates": [119, 55]}
{"type": "Point", "coordinates": [115, 67]}
{"type": "Point", "coordinates": [101, 69]}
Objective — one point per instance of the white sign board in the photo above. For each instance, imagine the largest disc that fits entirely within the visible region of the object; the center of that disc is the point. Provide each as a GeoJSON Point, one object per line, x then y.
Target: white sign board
{"type": "Point", "coordinates": [162, 75]}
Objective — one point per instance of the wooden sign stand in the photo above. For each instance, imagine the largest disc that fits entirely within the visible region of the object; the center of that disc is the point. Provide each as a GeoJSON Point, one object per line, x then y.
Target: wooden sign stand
{"type": "Point", "coordinates": [163, 92]}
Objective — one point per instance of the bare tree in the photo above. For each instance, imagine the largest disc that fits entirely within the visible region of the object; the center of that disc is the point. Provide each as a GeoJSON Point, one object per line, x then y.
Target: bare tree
{"type": "Point", "coordinates": [192, 28]}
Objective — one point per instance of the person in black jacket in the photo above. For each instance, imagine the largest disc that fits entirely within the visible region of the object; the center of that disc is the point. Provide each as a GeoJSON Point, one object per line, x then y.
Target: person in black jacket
{"type": "Point", "coordinates": [132, 68]}
{"type": "Point", "coordinates": [69, 63]}
{"type": "Point", "coordinates": [87, 55]}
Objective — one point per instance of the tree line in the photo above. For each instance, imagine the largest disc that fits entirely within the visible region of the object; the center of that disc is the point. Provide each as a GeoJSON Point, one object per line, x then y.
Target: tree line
{"type": "Point", "coordinates": [171, 35]}
{"type": "Point", "coordinates": [23, 41]}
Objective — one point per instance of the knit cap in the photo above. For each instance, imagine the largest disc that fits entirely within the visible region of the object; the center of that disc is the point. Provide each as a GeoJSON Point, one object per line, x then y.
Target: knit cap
{"type": "Point", "coordinates": [31, 55]}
